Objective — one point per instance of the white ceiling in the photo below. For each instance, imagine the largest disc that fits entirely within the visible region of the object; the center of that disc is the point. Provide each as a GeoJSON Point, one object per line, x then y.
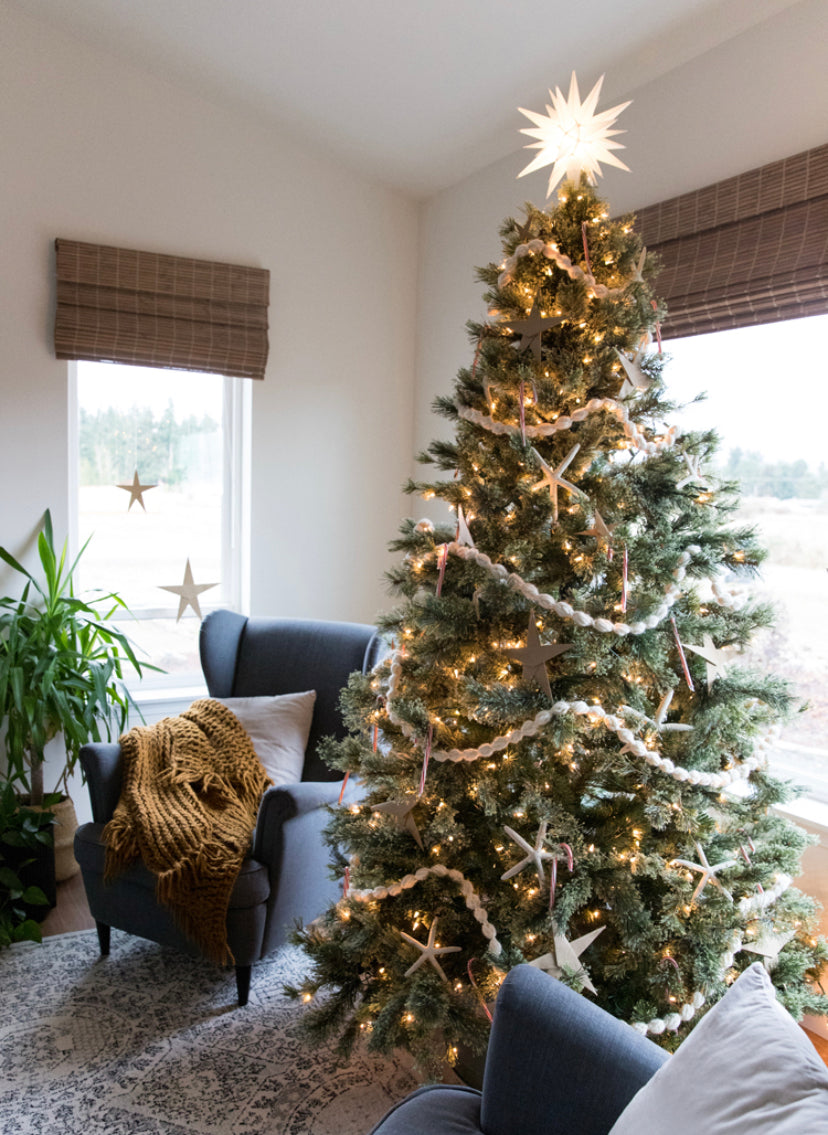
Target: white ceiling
{"type": "Point", "coordinates": [417, 93]}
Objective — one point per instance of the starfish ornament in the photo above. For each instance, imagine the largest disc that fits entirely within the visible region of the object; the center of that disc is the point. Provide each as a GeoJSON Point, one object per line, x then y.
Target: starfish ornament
{"type": "Point", "coordinates": [572, 137]}
{"type": "Point", "coordinates": [600, 530]}
{"type": "Point", "coordinates": [136, 491]}
{"type": "Point", "coordinates": [531, 329]}
{"type": "Point", "coordinates": [715, 658]}
{"type": "Point", "coordinates": [708, 874]}
{"type": "Point", "coordinates": [553, 479]}
{"type": "Point", "coordinates": [694, 472]}
{"type": "Point", "coordinates": [635, 378]}
{"type": "Point", "coordinates": [188, 592]}
{"type": "Point", "coordinates": [566, 958]}
{"type": "Point", "coordinates": [402, 817]}
{"type": "Point", "coordinates": [661, 713]}
{"type": "Point", "coordinates": [536, 854]}
{"type": "Point", "coordinates": [429, 951]}
{"type": "Point", "coordinates": [534, 656]}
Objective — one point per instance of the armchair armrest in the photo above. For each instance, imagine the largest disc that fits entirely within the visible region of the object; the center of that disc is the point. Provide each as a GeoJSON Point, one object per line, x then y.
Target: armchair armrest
{"type": "Point", "coordinates": [289, 802]}
{"type": "Point", "coordinates": [101, 765]}
{"type": "Point", "coordinates": [557, 1064]}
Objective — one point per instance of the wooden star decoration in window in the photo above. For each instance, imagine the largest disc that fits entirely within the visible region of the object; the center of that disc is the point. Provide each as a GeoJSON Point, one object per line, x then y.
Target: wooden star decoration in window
{"type": "Point", "coordinates": [187, 592]}
{"type": "Point", "coordinates": [136, 491]}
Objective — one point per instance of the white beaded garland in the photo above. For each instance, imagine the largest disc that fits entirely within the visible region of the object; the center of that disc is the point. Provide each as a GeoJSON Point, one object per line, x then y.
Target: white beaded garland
{"type": "Point", "coordinates": [466, 889]}
{"type": "Point", "coordinates": [565, 422]}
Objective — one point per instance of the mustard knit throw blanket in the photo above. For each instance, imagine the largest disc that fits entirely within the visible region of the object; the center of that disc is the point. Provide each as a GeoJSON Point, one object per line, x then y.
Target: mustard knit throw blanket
{"type": "Point", "coordinates": [190, 795]}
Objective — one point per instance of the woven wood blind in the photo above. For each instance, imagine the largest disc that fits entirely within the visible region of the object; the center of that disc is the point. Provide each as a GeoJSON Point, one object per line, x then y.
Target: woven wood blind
{"type": "Point", "coordinates": [751, 249]}
{"type": "Point", "coordinates": [117, 305]}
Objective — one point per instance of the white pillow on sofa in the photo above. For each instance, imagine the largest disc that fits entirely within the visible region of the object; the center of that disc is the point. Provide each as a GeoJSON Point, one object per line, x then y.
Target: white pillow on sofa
{"type": "Point", "coordinates": [746, 1069]}
{"type": "Point", "coordinates": [279, 727]}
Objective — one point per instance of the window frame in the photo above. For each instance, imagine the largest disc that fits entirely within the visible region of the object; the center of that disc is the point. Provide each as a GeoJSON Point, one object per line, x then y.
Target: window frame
{"type": "Point", "coordinates": [235, 524]}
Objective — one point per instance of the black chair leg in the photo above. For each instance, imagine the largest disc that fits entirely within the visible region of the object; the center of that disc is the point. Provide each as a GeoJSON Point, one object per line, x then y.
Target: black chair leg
{"type": "Point", "coordinates": [243, 983]}
{"type": "Point", "coordinates": [103, 937]}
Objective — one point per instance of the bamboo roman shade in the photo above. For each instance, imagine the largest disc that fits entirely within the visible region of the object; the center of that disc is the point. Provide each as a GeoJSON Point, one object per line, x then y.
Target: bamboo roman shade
{"type": "Point", "coordinates": [751, 249]}
{"type": "Point", "coordinates": [149, 309]}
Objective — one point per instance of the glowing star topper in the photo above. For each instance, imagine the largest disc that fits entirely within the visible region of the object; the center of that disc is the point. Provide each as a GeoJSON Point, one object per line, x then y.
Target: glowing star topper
{"type": "Point", "coordinates": [572, 137]}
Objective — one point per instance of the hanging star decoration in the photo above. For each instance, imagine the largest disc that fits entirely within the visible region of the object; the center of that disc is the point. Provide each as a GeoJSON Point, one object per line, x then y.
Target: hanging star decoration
{"type": "Point", "coordinates": [566, 958]}
{"type": "Point", "coordinates": [768, 945]}
{"type": "Point", "coordinates": [401, 814]}
{"type": "Point", "coordinates": [572, 137]}
{"type": "Point", "coordinates": [534, 656]}
{"type": "Point", "coordinates": [708, 874]}
{"type": "Point", "coordinates": [600, 530]}
{"type": "Point", "coordinates": [188, 592]}
{"type": "Point", "coordinates": [553, 479]}
{"type": "Point", "coordinates": [429, 951]}
{"type": "Point", "coordinates": [136, 491]}
{"type": "Point", "coordinates": [531, 329]}
{"type": "Point", "coordinates": [638, 271]}
{"type": "Point", "coordinates": [635, 378]}
{"type": "Point", "coordinates": [536, 854]}
{"type": "Point", "coordinates": [524, 231]}
{"type": "Point", "coordinates": [660, 718]}
{"type": "Point", "coordinates": [463, 535]}
{"type": "Point", "coordinates": [715, 657]}
{"type": "Point", "coordinates": [694, 472]}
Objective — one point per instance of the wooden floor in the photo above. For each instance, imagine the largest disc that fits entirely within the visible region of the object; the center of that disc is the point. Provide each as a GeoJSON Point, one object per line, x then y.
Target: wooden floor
{"type": "Point", "coordinates": [72, 913]}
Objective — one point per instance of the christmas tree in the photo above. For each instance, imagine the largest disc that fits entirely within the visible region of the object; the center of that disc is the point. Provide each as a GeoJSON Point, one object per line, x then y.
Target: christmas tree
{"type": "Point", "coordinates": [562, 760]}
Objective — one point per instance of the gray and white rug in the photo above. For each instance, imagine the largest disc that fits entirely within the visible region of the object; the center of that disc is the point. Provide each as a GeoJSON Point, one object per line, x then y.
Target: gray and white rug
{"type": "Point", "coordinates": [150, 1042]}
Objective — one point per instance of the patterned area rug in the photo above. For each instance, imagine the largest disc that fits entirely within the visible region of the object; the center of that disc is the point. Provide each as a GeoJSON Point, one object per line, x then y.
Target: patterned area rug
{"type": "Point", "coordinates": [150, 1042]}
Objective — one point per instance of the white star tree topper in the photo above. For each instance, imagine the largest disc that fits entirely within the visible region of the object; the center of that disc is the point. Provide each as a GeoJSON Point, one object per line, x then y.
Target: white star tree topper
{"type": "Point", "coordinates": [572, 137]}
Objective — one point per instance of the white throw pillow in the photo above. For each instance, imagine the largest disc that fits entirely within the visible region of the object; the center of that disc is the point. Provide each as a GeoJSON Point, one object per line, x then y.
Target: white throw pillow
{"type": "Point", "coordinates": [746, 1069]}
{"type": "Point", "coordinates": [278, 727]}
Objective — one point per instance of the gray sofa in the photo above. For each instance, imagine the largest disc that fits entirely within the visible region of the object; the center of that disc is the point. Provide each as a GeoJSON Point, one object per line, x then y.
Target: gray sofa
{"type": "Point", "coordinates": [556, 1065]}
{"type": "Point", "coordinates": [286, 876]}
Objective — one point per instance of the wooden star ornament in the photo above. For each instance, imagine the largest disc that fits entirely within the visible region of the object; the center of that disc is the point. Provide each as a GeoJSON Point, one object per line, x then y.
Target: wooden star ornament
{"type": "Point", "coordinates": [531, 329]}
{"type": "Point", "coordinates": [187, 592]}
{"type": "Point", "coordinates": [136, 491]}
{"type": "Point", "coordinates": [715, 657]}
{"type": "Point", "coordinates": [402, 817]}
{"type": "Point", "coordinates": [566, 958]}
{"type": "Point", "coordinates": [534, 656]}
{"type": "Point", "coordinates": [635, 378]}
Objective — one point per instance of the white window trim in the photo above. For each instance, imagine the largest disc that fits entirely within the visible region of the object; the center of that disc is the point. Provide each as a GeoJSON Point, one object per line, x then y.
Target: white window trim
{"type": "Point", "coordinates": [153, 689]}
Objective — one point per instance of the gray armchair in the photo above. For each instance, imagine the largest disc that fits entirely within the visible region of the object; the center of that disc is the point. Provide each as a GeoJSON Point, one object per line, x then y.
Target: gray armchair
{"type": "Point", "coordinates": [556, 1065]}
{"type": "Point", "coordinates": [286, 876]}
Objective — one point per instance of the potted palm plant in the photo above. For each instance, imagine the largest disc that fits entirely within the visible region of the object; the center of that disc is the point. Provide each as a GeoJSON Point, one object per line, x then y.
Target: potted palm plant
{"type": "Point", "coordinates": [61, 672]}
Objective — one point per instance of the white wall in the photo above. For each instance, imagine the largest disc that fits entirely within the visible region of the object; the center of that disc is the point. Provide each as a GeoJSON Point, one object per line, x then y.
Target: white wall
{"type": "Point", "coordinates": [754, 99]}
{"type": "Point", "coordinates": [95, 149]}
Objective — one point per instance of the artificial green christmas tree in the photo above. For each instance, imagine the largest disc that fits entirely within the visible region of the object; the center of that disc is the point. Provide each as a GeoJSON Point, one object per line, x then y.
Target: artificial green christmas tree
{"type": "Point", "coordinates": [560, 765]}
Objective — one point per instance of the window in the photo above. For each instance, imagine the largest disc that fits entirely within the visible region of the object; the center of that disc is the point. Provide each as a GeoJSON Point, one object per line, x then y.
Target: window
{"type": "Point", "coordinates": [767, 400]}
{"type": "Point", "coordinates": [182, 435]}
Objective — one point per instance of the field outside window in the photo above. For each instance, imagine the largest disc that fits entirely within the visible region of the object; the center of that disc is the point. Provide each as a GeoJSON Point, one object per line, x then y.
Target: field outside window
{"type": "Point", "coordinates": [767, 398]}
